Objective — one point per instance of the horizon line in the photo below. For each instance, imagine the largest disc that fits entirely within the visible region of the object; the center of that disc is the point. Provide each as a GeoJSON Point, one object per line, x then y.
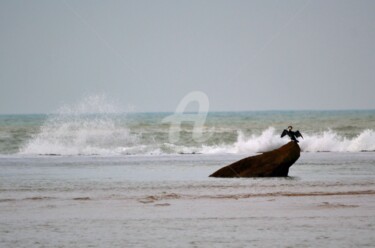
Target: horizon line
{"type": "Point", "coordinates": [213, 111]}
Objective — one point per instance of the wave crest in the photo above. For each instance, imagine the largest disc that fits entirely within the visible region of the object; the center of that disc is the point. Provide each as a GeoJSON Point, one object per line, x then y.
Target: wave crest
{"type": "Point", "coordinates": [89, 127]}
{"type": "Point", "coordinates": [329, 141]}
{"type": "Point", "coordinates": [94, 126]}
{"type": "Point", "coordinates": [102, 136]}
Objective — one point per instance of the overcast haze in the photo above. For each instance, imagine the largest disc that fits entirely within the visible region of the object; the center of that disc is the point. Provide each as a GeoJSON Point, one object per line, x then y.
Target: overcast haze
{"type": "Point", "coordinates": [245, 55]}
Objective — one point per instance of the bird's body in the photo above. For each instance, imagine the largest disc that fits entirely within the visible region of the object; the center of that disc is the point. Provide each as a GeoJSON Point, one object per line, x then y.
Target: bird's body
{"type": "Point", "coordinates": [292, 135]}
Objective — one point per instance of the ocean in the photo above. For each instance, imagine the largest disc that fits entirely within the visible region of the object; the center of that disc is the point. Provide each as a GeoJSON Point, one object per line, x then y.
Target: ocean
{"type": "Point", "coordinates": [110, 134]}
{"type": "Point", "coordinates": [103, 178]}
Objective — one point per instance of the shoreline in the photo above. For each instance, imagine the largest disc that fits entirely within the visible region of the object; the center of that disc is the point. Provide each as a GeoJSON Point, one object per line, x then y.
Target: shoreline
{"type": "Point", "coordinates": [301, 220]}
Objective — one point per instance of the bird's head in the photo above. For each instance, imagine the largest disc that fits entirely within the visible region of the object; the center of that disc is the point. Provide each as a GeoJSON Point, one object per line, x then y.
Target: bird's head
{"type": "Point", "coordinates": [290, 128]}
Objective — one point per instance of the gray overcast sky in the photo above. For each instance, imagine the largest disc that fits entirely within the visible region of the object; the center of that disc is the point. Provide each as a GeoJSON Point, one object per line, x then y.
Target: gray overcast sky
{"type": "Point", "coordinates": [245, 55]}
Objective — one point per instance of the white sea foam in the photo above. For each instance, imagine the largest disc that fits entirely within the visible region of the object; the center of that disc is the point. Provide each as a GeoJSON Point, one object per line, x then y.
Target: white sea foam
{"type": "Point", "coordinates": [96, 126]}
{"type": "Point", "coordinates": [327, 141]}
{"type": "Point", "coordinates": [87, 128]}
{"type": "Point", "coordinates": [102, 136]}
{"type": "Point", "coordinates": [330, 141]}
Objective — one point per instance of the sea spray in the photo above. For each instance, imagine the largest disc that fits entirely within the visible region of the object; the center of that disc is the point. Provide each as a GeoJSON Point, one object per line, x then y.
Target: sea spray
{"type": "Point", "coordinates": [269, 139]}
{"type": "Point", "coordinates": [327, 141]}
{"type": "Point", "coordinates": [95, 126]}
{"type": "Point", "coordinates": [330, 141]}
{"type": "Point", "coordinates": [89, 127]}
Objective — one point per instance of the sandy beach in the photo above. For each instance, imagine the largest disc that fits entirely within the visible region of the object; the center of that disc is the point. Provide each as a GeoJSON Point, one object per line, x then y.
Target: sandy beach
{"type": "Point", "coordinates": [128, 202]}
{"type": "Point", "coordinates": [278, 221]}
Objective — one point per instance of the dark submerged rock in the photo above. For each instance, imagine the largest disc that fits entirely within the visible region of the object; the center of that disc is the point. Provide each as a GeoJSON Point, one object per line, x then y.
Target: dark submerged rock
{"type": "Point", "coordinates": [274, 163]}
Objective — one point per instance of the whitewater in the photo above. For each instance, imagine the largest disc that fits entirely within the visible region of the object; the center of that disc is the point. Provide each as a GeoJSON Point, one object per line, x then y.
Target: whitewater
{"type": "Point", "coordinates": [101, 135]}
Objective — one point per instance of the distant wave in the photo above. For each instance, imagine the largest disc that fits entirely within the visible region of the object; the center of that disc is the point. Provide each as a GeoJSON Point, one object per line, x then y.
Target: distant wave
{"type": "Point", "coordinates": [327, 141]}
{"type": "Point", "coordinates": [100, 136]}
{"type": "Point", "coordinates": [89, 127]}
{"type": "Point", "coordinates": [95, 127]}
{"type": "Point", "coordinates": [330, 141]}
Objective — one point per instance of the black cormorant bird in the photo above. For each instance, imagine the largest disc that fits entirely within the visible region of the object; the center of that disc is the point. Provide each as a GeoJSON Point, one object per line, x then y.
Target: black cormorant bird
{"type": "Point", "coordinates": [293, 135]}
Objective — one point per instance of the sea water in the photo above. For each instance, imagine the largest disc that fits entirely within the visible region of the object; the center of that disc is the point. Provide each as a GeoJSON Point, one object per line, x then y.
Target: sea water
{"type": "Point", "coordinates": [106, 134]}
{"type": "Point", "coordinates": [84, 178]}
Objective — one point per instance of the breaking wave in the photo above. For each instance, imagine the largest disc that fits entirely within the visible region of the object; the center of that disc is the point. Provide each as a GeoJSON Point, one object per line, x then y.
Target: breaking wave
{"type": "Point", "coordinates": [96, 127]}
{"type": "Point", "coordinates": [327, 141]}
{"type": "Point", "coordinates": [101, 136]}
{"type": "Point", "coordinates": [90, 127]}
